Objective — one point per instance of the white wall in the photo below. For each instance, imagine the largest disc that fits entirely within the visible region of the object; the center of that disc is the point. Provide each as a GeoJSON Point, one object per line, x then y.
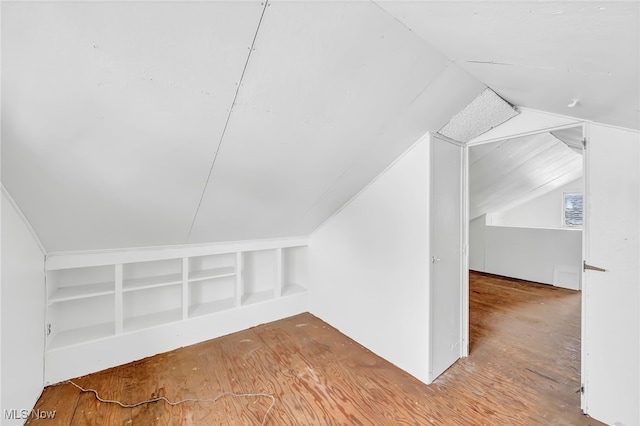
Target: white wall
{"type": "Point", "coordinates": [549, 256]}
{"type": "Point", "coordinates": [23, 308]}
{"type": "Point", "coordinates": [369, 274]}
{"type": "Point", "coordinates": [545, 211]}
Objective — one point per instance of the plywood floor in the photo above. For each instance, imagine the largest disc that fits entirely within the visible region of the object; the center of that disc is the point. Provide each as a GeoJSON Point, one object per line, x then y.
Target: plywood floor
{"type": "Point", "coordinates": [523, 369]}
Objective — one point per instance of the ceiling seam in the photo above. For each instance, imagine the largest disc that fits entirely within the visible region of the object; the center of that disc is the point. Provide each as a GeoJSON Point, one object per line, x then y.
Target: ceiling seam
{"type": "Point", "coordinates": [226, 124]}
{"type": "Point", "coordinates": [537, 67]}
{"type": "Point", "coordinates": [392, 16]}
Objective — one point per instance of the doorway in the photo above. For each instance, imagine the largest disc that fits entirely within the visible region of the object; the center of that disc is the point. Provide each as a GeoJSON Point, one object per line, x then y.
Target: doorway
{"type": "Point", "coordinates": [545, 252]}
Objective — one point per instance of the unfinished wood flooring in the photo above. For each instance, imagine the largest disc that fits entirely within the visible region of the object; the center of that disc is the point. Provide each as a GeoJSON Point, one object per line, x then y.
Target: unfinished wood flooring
{"type": "Point", "coordinates": [523, 369]}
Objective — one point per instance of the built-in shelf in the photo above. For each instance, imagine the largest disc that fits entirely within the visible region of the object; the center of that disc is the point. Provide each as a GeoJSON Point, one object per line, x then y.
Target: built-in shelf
{"type": "Point", "coordinates": [129, 292]}
{"type": "Point", "coordinates": [81, 292]}
{"type": "Point", "coordinates": [227, 271]}
{"type": "Point", "coordinates": [261, 296]}
{"type": "Point", "coordinates": [151, 282]}
{"type": "Point", "coordinates": [152, 320]}
{"type": "Point", "coordinates": [101, 306]}
{"type": "Point", "coordinates": [81, 335]}
{"type": "Point", "coordinates": [211, 307]}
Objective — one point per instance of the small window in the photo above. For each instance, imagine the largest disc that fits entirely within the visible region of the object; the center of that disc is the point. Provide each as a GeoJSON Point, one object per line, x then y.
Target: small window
{"type": "Point", "coordinates": [572, 208]}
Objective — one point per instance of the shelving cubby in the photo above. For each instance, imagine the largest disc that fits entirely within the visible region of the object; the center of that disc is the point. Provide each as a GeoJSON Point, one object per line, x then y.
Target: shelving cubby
{"type": "Point", "coordinates": [79, 283]}
{"type": "Point", "coordinates": [260, 276]}
{"type": "Point", "coordinates": [151, 293]}
{"type": "Point", "coordinates": [295, 271]}
{"type": "Point", "coordinates": [77, 321]}
{"type": "Point", "coordinates": [81, 305]}
{"type": "Point", "coordinates": [151, 307]}
{"type": "Point", "coordinates": [151, 274]}
{"type": "Point", "coordinates": [212, 283]}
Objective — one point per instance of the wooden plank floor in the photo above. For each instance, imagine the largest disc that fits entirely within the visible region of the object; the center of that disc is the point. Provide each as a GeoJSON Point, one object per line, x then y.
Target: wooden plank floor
{"type": "Point", "coordinates": [523, 368]}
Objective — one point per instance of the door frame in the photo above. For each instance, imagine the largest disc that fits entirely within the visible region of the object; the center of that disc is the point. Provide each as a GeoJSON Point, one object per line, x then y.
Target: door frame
{"type": "Point", "coordinates": [465, 290]}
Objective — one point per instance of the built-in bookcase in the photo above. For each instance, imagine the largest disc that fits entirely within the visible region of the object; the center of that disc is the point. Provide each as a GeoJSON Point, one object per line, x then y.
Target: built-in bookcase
{"type": "Point", "coordinates": [94, 297]}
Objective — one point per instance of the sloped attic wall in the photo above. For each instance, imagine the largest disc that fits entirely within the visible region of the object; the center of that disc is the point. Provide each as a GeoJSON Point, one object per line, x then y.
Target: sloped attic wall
{"type": "Point", "coordinates": [508, 173]}
{"type": "Point", "coordinates": [129, 124]}
{"type": "Point", "coordinates": [541, 54]}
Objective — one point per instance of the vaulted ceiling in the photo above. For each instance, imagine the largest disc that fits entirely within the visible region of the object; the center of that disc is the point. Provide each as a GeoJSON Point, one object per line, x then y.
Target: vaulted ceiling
{"type": "Point", "coordinates": [541, 54]}
{"type": "Point", "coordinates": [146, 123]}
{"type": "Point", "coordinates": [510, 172]}
{"type": "Point", "coordinates": [130, 124]}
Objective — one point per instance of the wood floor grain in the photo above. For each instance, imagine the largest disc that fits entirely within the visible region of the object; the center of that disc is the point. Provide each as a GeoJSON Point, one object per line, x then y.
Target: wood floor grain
{"type": "Point", "coordinates": [523, 369]}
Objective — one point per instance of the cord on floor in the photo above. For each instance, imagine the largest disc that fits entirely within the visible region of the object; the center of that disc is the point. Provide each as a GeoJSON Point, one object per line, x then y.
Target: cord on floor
{"type": "Point", "coordinates": [172, 403]}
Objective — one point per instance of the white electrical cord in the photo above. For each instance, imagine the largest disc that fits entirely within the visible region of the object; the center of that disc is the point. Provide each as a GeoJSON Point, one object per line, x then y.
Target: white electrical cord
{"type": "Point", "coordinates": [172, 403]}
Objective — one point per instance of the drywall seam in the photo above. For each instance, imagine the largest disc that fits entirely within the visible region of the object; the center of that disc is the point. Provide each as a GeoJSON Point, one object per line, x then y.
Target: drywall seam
{"type": "Point", "coordinates": [24, 219]}
{"type": "Point", "coordinates": [390, 15]}
{"type": "Point", "coordinates": [536, 67]}
{"type": "Point", "coordinates": [226, 124]}
{"type": "Point", "coordinates": [424, 137]}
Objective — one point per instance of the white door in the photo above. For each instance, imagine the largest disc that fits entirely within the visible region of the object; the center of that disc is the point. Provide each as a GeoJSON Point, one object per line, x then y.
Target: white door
{"type": "Point", "coordinates": [611, 299]}
{"type": "Point", "coordinates": [446, 255]}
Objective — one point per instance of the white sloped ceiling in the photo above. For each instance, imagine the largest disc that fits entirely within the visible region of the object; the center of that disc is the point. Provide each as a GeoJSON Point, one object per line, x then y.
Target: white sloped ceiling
{"type": "Point", "coordinates": [322, 86]}
{"type": "Point", "coordinates": [508, 173]}
{"type": "Point", "coordinates": [128, 124]}
{"type": "Point", "coordinates": [541, 54]}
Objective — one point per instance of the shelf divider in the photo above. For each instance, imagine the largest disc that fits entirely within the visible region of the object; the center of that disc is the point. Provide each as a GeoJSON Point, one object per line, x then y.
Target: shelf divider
{"type": "Point", "coordinates": [239, 290]}
{"type": "Point", "coordinates": [134, 284]}
{"type": "Point", "coordinates": [185, 288]}
{"type": "Point", "coordinates": [277, 291]}
{"type": "Point", "coordinates": [226, 271]}
{"type": "Point", "coordinates": [118, 295]}
{"type": "Point", "coordinates": [84, 291]}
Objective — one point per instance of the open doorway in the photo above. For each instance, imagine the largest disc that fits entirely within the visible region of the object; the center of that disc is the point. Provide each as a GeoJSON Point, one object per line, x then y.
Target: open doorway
{"type": "Point", "coordinates": [522, 222]}
{"type": "Point", "coordinates": [525, 207]}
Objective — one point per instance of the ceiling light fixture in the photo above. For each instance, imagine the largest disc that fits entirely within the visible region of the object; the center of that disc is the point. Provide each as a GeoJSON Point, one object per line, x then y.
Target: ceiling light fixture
{"type": "Point", "coordinates": [573, 103]}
